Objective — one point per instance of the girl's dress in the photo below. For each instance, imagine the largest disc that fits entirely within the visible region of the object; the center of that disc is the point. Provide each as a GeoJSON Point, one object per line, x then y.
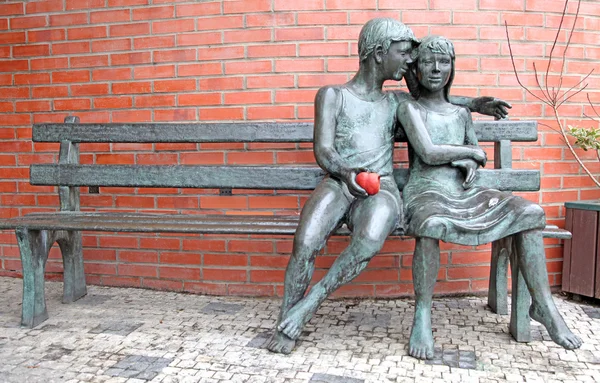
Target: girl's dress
{"type": "Point", "coordinates": [436, 204]}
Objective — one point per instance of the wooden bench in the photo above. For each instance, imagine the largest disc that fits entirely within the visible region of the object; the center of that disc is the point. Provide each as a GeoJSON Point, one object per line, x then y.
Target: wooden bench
{"type": "Point", "coordinates": [36, 233]}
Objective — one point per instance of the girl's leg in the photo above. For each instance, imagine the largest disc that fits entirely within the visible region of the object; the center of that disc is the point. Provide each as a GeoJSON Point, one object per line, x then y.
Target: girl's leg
{"type": "Point", "coordinates": [425, 267]}
{"type": "Point", "coordinates": [532, 262]}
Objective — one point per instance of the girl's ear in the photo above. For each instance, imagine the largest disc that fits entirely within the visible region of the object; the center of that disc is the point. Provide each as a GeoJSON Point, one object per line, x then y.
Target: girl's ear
{"type": "Point", "coordinates": [378, 54]}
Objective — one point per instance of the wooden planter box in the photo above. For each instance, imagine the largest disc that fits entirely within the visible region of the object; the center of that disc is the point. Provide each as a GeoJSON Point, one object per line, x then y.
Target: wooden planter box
{"type": "Point", "coordinates": [581, 260]}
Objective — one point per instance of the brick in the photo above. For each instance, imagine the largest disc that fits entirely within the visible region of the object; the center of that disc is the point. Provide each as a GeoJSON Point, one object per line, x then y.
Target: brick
{"type": "Point", "coordinates": [28, 22]}
{"type": "Point", "coordinates": [173, 202]}
{"type": "Point", "coordinates": [14, 65]}
{"type": "Point", "coordinates": [221, 83]}
{"type": "Point", "coordinates": [137, 270]}
{"type": "Point", "coordinates": [199, 99]}
{"type": "Point", "coordinates": [154, 101]}
{"type": "Point", "coordinates": [343, 32]}
{"type": "Point", "coordinates": [430, 17]}
{"type": "Point", "coordinates": [123, 3]}
{"type": "Point", "coordinates": [202, 38]}
{"type": "Point", "coordinates": [132, 116]}
{"type": "Point", "coordinates": [247, 36]}
{"type": "Point", "coordinates": [158, 71]}
{"type": "Point", "coordinates": [111, 16]}
{"type": "Point", "coordinates": [220, 23]}
{"type": "Point", "coordinates": [270, 112]}
{"type": "Point", "coordinates": [224, 53]}
{"type": "Point", "coordinates": [111, 45]}
{"type": "Point", "coordinates": [233, 275]}
{"type": "Point", "coordinates": [342, 65]}
{"type": "Point", "coordinates": [32, 106]}
{"type": "Point", "coordinates": [70, 48]}
{"type": "Point", "coordinates": [46, 35]}
{"type": "Point", "coordinates": [246, 6]}
{"type": "Point", "coordinates": [31, 50]}
{"type": "Point", "coordinates": [407, 4]}
{"type": "Point", "coordinates": [226, 202]}
{"type": "Point", "coordinates": [225, 260]}
{"type": "Point", "coordinates": [250, 67]}
{"type": "Point", "coordinates": [306, 5]}
{"type": "Point", "coordinates": [203, 245]}
{"type": "Point", "coordinates": [324, 49]}
{"type": "Point", "coordinates": [185, 273]}
{"type": "Point", "coordinates": [12, 9]}
{"type": "Point", "coordinates": [250, 158]}
{"type": "Point", "coordinates": [295, 34]}
{"type": "Point", "coordinates": [111, 74]}
{"type": "Point", "coordinates": [13, 37]}
{"type": "Point", "coordinates": [14, 92]}
{"type": "Point", "coordinates": [153, 13]}
{"type": "Point", "coordinates": [113, 102]}
{"type": "Point", "coordinates": [504, 5]}
{"type": "Point", "coordinates": [84, 4]}
{"type": "Point", "coordinates": [132, 29]}
{"type": "Point", "coordinates": [87, 33]}
{"type": "Point", "coordinates": [68, 19]}
{"type": "Point", "coordinates": [252, 246]}
{"type": "Point", "coordinates": [132, 87]}
{"type": "Point", "coordinates": [279, 202]}
{"type": "Point", "coordinates": [175, 55]}
{"type": "Point", "coordinates": [271, 19]}
{"type": "Point", "coordinates": [202, 9]}
{"type": "Point", "coordinates": [171, 26]}
{"type": "Point", "coordinates": [154, 42]}
{"type": "Point", "coordinates": [88, 61]}
{"type": "Point", "coordinates": [272, 50]}
{"type": "Point", "coordinates": [32, 78]}
{"type": "Point", "coordinates": [72, 104]}
{"type": "Point", "coordinates": [296, 158]}
{"type": "Point", "coordinates": [159, 284]}
{"type": "Point", "coordinates": [131, 58]}
{"type": "Point", "coordinates": [213, 158]}
{"type": "Point", "coordinates": [89, 90]}
{"type": "Point", "coordinates": [247, 98]}
{"type": "Point", "coordinates": [322, 18]}
{"type": "Point", "coordinates": [300, 65]}
{"type": "Point", "coordinates": [261, 276]}
{"type": "Point", "coordinates": [170, 86]}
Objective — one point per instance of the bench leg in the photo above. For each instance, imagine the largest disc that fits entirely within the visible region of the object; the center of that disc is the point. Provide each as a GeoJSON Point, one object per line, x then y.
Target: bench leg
{"type": "Point", "coordinates": [520, 322]}
{"type": "Point", "coordinates": [74, 286]}
{"type": "Point", "coordinates": [34, 246]}
{"type": "Point", "coordinates": [498, 290]}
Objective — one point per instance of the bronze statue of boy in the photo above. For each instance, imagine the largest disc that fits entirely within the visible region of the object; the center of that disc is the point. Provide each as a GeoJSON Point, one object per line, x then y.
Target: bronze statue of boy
{"type": "Point", "coordinates": [354, 130]}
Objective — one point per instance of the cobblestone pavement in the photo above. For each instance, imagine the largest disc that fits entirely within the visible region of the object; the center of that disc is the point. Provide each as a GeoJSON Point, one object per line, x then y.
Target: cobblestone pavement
{"type": "Point", "coordinates": [134, 335]}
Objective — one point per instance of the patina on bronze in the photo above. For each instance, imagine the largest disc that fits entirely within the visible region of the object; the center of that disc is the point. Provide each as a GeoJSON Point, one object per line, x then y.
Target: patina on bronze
{"type": "Point", "coordinates": [441, 202]}
{"type": "Point", "coordinates": [354, 131]}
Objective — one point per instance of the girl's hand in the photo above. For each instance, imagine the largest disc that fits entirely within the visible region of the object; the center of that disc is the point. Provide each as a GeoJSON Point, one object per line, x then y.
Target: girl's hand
{"type": "Point", "coordinates": [469, 170]}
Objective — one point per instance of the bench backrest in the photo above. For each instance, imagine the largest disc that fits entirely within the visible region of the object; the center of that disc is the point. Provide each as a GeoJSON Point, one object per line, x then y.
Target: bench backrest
{"type": "Point", "coordinates": [68, 173]}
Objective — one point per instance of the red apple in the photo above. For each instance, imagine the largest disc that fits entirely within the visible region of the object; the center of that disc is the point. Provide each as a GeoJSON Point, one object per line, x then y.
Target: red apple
{"type": "Point", "coordinates": [368, 181]}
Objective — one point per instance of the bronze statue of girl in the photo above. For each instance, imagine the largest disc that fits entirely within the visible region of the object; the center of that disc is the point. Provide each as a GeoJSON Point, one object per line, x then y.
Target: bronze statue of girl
{"type": "Point", "coordinates": [441, 202]}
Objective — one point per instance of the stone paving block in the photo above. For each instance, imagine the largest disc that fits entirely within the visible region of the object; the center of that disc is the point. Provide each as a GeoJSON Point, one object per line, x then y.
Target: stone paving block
{"type": "Point", "coordinates": [326, 378]}
{"type": "Point", "coordinates": [367, 319]}
{"type": "Point", "coordinates": [116, 328]}
{"type": "Point", "coordinates": [592, 312]}
{"type": "Point", "coordinates": [138, 366]}
{"type": "Point", "coordinates": [453, 358]}
{"type": "Point", "coordinates": [259, 340]}
{"type": "Point", "coordinates": [93, 300]}
{"type": "Point", "coordinates": [219, 308]}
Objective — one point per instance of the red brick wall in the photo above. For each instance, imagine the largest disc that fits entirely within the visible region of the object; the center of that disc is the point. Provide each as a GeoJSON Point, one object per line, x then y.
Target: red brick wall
{"type": "Point", "coordinates": [177, 60]}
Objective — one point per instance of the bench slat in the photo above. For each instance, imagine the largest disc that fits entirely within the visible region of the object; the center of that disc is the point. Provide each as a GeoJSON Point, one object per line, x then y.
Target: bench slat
{"type": "Point", "coordinates": [487, 131]}
{"type": "Point", "coordinates": [154, 223]}
{"type": "Point", "coordinates": [237, 177]}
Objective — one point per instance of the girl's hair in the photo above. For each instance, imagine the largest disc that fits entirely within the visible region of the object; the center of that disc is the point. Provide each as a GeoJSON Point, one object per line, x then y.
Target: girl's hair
{"type": "Point", "coordinates": [435, 44]}
{"type": "Point", "coordinates": [382, 32]}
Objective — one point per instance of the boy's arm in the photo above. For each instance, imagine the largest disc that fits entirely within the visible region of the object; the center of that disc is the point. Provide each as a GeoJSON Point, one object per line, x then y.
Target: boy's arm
{"type": "Point", "coordinates": [489, 106]}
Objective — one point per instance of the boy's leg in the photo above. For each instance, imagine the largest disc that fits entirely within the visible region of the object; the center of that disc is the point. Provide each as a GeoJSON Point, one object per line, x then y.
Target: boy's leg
{"type": "Point", "coordinates": [321, 214]}
{"type": "Point", "coordinates": [373, 219]}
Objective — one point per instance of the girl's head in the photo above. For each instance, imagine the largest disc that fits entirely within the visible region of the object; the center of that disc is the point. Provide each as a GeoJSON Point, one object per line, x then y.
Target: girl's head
{"type": "Point", "coordinates": [434, 66]}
